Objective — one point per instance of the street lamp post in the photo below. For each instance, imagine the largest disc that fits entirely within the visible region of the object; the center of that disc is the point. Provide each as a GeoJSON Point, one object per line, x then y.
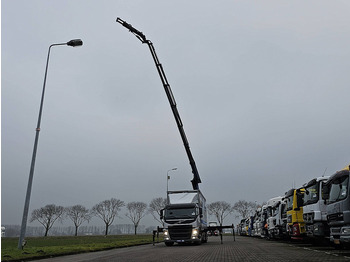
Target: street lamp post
{"type": "Point", "coordinates": [167, 178]}
{"type": "Point", "coordinates": [73, 43]}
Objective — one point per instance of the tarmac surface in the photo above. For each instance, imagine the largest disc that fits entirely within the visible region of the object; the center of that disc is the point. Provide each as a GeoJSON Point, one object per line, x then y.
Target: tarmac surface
{"type": "Point", "coordinates": [243, 249]}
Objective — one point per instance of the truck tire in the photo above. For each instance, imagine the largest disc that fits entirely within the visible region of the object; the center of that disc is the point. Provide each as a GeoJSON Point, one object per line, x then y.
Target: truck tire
{"type": "Point", "coordinates": [204, 238]}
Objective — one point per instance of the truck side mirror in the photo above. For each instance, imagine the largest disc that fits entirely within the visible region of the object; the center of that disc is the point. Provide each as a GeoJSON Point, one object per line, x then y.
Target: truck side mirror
{"type": "Point", "coordinates": [161, 213]}
{"type": "Point", "coordinates": [201, 212]}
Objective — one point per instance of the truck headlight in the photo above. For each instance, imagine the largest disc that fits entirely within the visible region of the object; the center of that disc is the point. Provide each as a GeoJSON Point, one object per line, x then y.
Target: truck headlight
{"type": "Point", "coordinates": [195, 232]}
{"type": "Point", "coordinates": [166, 234]}
{"type": "Point", "coordinates": [346, 230]}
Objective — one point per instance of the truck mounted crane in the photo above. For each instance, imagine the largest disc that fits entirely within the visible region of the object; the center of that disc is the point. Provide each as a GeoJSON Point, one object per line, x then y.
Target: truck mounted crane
{"type": "Point", "coordinates": [196, 179]}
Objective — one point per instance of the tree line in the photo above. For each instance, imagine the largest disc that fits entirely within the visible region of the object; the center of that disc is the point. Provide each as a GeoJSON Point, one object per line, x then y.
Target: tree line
{"type": "Point", "coordinates": [222, 209]}
{"type": "Point", "coordinates": [108, 210]}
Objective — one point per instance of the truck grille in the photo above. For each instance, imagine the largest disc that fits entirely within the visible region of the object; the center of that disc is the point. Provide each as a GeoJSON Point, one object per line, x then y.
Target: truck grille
{"type": "Point", "coordinates": [335, 230]}
{"type": "Point", "coordinates": [308, 218]}
{"type": "Point", "coordinates": [180, 232]}
{"type": "Point", "coordinates": [335, 217]}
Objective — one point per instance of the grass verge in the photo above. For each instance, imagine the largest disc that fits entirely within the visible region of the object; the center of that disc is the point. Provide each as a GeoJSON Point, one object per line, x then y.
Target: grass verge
{"type": "Point", "coordinates": [40, 247]}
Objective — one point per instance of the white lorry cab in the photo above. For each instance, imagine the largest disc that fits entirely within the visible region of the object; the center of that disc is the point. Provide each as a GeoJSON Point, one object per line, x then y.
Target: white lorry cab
{"type": "Point", "coordinates": [315, 209]}
{"type": "Point", "coordinates": [263, 222]}
{"type": "Point", "coordinates": [274, 217]}
{"type": "Point", "coordinates": [338, 206]}
{"type": "Point", "coordinates": [257, 222]}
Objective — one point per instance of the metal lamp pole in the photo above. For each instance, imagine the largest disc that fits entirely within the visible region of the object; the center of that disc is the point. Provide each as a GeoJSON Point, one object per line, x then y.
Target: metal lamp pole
{"type": "Point", "coordinates": [167, 178]}
{"type": "Point", "coordinates": [73, 43]}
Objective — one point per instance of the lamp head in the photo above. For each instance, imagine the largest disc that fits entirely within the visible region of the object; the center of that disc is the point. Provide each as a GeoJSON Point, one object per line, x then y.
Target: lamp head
{"type": "Point", "coordinates": [75, 42]}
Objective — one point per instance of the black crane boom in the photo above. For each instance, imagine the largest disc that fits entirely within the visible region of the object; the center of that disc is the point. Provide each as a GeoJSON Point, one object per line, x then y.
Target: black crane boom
{"type": "Point", "coordinates": [196, 179]}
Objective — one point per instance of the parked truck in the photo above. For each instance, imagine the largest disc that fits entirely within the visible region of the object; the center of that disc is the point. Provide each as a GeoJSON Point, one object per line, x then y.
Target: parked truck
{"type": "Point", "coordinates": [243, 227]}
{"type": "Point", "coordinates": [185, 217]}
{"type": "Point", "coordinates": [314, 209]}
{"type": "Point", "coordinates": [275, 224]}
{"type": "Point", "coordinates": [262, 225]}
{"type": "Point", "coordinates": [214, 232]}
{"type": "Point", "coordinates": [338, 207]}
{"type": "Point", "coordinates": [296, 225]}
{"type": "Point", "coordinates": [257, 222]}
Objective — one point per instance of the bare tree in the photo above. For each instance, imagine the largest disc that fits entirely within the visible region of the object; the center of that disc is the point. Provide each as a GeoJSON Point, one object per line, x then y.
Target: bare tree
{"type": "Point", "coordinates": [245, 208]}
{"type": "Point", "coordinates": [155, 206]}
{"type": "Point", "coordinates": [107, 210]}
{"type": "Point", "coordinates": [220, 210]}
{"type": "Point", "coordinates": [137, 210]}
{"type": "Point", "coordinates": [47, 216]}
{"type": "Point", "coordinates": [78, 214]}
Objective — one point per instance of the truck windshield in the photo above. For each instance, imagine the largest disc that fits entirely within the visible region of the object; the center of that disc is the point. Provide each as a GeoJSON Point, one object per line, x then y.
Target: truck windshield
{"type": "Point", "coordinates": [174, 213]}
{"type": "Point", "coordinates": [275, 210]}
{"type": "Point", "coordinates": [269, 211]}
{"type": "Point", "coordinates": [311, 194]}
{"type": "Point", "coordinates": [339, 189]}
{"type": "Point", "coordinates": [289, 203]}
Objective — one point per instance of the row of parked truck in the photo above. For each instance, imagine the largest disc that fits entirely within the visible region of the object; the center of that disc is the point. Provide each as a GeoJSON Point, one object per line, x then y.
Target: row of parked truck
{"type": "Point", "coordinates": [319, 210]}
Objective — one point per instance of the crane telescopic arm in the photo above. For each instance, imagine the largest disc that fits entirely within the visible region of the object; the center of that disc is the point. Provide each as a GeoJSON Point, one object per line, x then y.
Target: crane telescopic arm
{"type": "Point", "coordinates": [196, 179]}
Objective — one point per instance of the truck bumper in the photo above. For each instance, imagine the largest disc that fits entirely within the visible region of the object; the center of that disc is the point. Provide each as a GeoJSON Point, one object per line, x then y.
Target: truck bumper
{"type": "Point", "coordinates": [340, 235]}
{"type": "Point", "coordinates": [189, 235]}
{"type": "Point", "coordinates": [317, 229]}
{"type": "Point", "coordinates": [184, 241]}
{"type": "Point", "coordinates": [277, 232]}
{"type": "Point", "coordinates": [298, 231]}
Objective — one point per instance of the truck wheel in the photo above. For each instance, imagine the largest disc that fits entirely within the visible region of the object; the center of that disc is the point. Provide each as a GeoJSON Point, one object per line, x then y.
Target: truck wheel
{"type": "Point", "coordinates": [204, 238]}
{"type": "Point", "coordinates": [338, 246]}
{"type": "Point", "coordinates": [169, 244]}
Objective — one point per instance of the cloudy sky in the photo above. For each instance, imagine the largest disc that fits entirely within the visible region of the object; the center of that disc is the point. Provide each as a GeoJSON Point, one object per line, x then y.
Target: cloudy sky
{"type": "Point", "coordinates": [262, 88]}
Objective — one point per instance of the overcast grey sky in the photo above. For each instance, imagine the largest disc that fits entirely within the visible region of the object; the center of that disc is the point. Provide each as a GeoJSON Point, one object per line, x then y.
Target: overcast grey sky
{"type": "Point", "coordinates": [262, 88]}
